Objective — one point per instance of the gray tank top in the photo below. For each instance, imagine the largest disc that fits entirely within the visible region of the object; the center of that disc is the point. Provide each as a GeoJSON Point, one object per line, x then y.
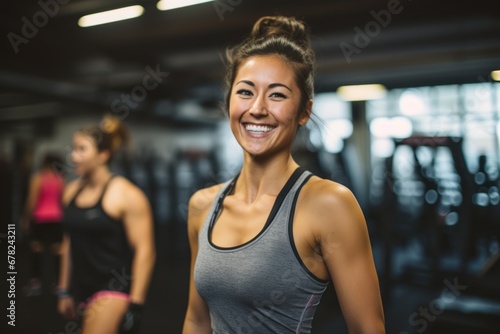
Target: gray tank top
{"type": "Point", "coordinates": [261, 286]}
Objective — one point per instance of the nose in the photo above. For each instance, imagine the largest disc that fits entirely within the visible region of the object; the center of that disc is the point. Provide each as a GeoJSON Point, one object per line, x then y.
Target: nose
{"type": "Point", "coordinates": [258, 107]}
{"type": "Point", "coordinates": [74, 156]}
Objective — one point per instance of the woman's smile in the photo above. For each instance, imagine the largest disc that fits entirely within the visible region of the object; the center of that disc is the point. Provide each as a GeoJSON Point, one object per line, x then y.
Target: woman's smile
{"type": "Point", "coordinates": [264, 102]}
{"type": "Point", "coordinates": [258, 130]}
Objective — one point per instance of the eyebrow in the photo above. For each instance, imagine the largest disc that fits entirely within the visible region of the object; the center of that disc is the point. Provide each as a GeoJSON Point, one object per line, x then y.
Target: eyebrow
{"type": "Point", "coordinates": [273, 85]}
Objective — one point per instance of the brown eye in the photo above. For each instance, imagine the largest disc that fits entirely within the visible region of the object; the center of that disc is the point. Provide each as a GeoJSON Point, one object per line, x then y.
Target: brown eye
{"type": "Point", "coordinates": [279, 95]}
{"type": "Point", "coordinates": [244, 92]}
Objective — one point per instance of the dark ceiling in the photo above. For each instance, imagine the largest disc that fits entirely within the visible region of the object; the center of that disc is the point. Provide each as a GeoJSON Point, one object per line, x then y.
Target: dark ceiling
{"type": "Point", "coordinates": [60, 66]}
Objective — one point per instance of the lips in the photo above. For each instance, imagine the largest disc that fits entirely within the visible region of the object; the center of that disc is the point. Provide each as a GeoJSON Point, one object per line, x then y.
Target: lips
{"type": "Point", "coordinates": [258, 128]}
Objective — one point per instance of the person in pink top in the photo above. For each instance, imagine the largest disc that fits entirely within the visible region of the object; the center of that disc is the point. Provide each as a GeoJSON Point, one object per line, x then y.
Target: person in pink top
{"type": "Point", "coordinates": [42, 217]}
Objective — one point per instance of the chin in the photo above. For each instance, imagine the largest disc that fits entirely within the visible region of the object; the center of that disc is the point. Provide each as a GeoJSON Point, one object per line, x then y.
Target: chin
{"type": "Point", "coordinates": [255, 154]}
{"type": "Point", "coordinates": [78, 171]}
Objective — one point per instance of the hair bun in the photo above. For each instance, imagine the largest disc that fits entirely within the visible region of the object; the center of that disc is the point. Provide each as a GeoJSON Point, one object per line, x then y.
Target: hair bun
{"type": "Point", "coordinates": [117, 131]}
{"type": "Point", "coordinates": [110, 124]}
{"type": "Point", "coordinates": [282, 26]}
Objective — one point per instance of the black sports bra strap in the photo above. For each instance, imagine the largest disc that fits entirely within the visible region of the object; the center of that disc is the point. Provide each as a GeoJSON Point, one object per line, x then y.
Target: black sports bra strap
{"type": "Point", "coordinates": [83, 186]}
{"type": "Point", "coordinates": [76, 194]}
{"type": "Point", "coordinates": [105, 187]}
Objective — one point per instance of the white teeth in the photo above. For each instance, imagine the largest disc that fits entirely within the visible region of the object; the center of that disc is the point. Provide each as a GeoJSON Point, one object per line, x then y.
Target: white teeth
{"type": "Point", "coordinates": [258, 128]}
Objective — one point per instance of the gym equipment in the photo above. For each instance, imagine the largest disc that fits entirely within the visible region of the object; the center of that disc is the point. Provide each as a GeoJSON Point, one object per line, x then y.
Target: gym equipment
{"type": "Point", "coordinates": [427, 198]}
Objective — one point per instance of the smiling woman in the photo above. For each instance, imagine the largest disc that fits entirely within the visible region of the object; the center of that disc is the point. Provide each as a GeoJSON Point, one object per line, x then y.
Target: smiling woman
{"type": "Point", "coordinates": [264, 104]}
{"type": "Point", "coordinates": [265, 244]}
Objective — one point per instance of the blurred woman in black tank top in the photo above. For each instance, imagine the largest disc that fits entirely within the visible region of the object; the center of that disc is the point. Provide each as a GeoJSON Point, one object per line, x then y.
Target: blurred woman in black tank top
{"type": "Point", "coordinates": [108, 237]}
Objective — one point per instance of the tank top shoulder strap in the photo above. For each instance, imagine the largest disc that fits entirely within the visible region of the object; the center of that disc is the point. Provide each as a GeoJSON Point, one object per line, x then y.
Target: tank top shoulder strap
{"type": "Point", "coordinates": [80, 188]}
{"type": "Point", "coordinates": [72, 202]}
{"type": "Point", "coordinates": [106, 188]}
{"type": "Point", "coordinates": [222, 193]}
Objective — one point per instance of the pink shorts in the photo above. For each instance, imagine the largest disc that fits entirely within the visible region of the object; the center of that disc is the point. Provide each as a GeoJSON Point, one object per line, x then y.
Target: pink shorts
{"type": "Point", "coordinates": [100, 294]}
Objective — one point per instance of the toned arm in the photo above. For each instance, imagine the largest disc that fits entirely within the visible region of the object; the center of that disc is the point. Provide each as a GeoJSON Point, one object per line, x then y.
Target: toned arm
{"type": "Point", "coordinates": [197, 318]}
{"type": "Point", "coordinates": [342, 236]}
{"type": "Point", "coordinates": [138, 223]}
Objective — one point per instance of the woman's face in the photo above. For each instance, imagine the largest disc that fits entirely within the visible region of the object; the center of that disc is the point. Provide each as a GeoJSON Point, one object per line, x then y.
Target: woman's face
{"type": "Point", "coordinates": [264, 105]}
{"type": "Point", "coordinates": [84, 154]}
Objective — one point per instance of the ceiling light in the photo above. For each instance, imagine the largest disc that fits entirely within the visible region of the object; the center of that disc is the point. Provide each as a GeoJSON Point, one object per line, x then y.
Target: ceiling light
{"type": "Point", "coordinates": [173, 4]}
{"type": "Point", "coordinates": [109, 16]}
{"type": "Point", "coordinates": [495, 75]}
{"type": "Point", "coordinates": [361, 92]}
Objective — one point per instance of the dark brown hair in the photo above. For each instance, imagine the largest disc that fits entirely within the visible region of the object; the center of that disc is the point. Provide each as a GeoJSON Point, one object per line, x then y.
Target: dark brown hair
{"type": "Point", "coordinates": [110, 135]}
{"type": "Point", "coordinates": [283, 36]}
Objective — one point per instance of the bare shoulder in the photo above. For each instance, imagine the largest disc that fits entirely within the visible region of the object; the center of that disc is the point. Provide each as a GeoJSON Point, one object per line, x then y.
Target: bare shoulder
{"type": "Point", "coordinates": [199, 204]}
{"type": "Point", "coordinates": [327, 194]}
{"type": "Point", "coordinates": [35, 177]}
{"type": "Point", "coordinates": [128, 193]}
{"type": "Point", "coordinates": [329, 204]}
{"type": "Point", "coordinates": [202, 199]}
{"type": "Point", "coordinates": [35, 180]}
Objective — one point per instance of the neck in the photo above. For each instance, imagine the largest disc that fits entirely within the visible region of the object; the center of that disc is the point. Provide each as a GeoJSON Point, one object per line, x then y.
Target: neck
{"type": "Point", "coordinates": [264, 178]}
{"type": "Point", "coordinates": [97, 177]}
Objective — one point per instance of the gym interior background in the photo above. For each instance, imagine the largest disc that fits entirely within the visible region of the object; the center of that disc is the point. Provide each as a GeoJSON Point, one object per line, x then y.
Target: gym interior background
{"type": "Point", "coordinates": [422, 156]}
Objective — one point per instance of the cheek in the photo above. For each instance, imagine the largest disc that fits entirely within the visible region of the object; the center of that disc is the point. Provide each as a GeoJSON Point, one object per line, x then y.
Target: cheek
{"type": "Point", "coordinates": [233, 124]}
{"type": "Point", "coordinates": [92, 156]}
{"type": "Point", "coordinates": [78, 155]}
{"type": "Point", "coordinates": [287, 115]}
{"type": "Point", "coordinates": [87, 156]}
{"type": "Point", "coordinates": [235, 111]}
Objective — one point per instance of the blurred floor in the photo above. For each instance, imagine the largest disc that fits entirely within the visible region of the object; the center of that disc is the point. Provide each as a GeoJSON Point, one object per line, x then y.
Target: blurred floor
{"type": "Point", "coordinates": [167, 301]}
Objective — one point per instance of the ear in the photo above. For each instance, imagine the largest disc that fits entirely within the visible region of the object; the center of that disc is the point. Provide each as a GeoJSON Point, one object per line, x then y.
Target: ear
{"type": "Point", "coordinates": [104, 157]}
{"type": "Point", "coordinates": [306, 114]}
